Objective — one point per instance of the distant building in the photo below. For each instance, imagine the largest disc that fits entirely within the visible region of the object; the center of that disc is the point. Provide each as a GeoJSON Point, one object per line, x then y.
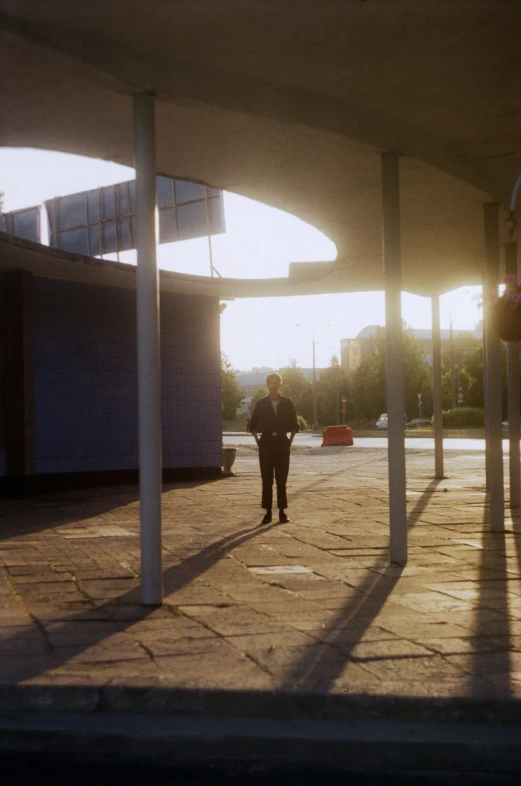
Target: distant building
{"type": "Point", "coordinates": [355, 350]}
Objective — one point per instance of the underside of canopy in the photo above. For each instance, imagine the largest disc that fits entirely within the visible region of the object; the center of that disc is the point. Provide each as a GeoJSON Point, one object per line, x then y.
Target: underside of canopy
{"type": "Point", "coordinates": [291, 104]}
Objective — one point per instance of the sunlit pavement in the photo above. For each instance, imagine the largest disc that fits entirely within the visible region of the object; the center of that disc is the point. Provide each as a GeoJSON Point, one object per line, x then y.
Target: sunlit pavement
{"type": "Point", "coordinates": [411, 443]}
{"type": "Point", "coordinates": [298, 620]}
{"type": "Point", "coordinates": [310, 605]}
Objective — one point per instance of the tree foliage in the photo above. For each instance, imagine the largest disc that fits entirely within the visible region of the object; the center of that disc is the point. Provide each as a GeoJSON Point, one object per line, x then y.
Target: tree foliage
{"type": "Point", "coordinates": [366, 397]}
{"type": "Point", "coordinates": [299, 390]}
{"type": "Point", "coordinates": [331, 386]}
{"type": "Point", "coordinates": [259, 393]}
{"type": "Point", "coordinates": [231, 392]}
{"type": "Point", "coordinates": [417, 376]}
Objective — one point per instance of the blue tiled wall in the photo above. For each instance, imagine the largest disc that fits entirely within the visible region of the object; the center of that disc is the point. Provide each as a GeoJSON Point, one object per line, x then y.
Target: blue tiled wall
{"type": "Point", "coordinates": [2, 446]}
{"type": "Point", "coordinates": [86, 383]}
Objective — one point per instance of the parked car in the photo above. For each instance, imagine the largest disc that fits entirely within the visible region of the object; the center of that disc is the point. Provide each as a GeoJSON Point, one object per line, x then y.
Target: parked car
{"type": "Point", "coordinates": [381, 423]}
{"type": "Point", "coordinates": [417, 422]}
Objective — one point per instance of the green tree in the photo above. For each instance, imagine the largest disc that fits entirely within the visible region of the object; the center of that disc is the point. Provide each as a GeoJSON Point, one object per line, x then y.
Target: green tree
{"type": "Point", "coordinates": [331, 386]}
{"type": "Point", "coordinates": [259, 393]}
{"type": "Point", "coordinates": [417, 378]}
{"type": "Point", "coordinates": [231, 392]}
{"type": "Point", "coordinates": [366, 398]}
{"type": "Point", "coordinates": [296, 386]}
{"type": "Point", "coordinates": [472, 389]}
{"type": "Point", "coordinates": [472, 365]}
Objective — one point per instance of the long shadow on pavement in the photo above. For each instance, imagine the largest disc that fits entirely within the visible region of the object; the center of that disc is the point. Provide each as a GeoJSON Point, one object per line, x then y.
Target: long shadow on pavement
{"type": "Point", "coordinates": [490, 658]}
{"type": "Point", "coordinates": [174, 579]}
{"type": "Point", "coordinates": [321, 665]}
{"type": "Point", "coordinates": [314, 666]}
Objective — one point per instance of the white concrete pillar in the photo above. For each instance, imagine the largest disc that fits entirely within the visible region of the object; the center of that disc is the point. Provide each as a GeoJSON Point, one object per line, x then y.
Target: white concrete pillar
{"type": "Point", "coordinates": [394, 355]}
{"type": "Point", "coordinates": [485, 390]}
{"type": "Point", "coordinates": [437, 388]}
{"type": "Point", "coordinates": [148, 351]}
{"type": "Point", "coordinates": [494, 431]}
{"type": "Point", "coordinates": [514, 419]}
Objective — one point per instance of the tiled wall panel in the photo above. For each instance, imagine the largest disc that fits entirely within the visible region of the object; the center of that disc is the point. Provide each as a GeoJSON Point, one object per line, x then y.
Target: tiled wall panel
{"type": "Point", "coordinates": [86, 383]}
{"type": "Point", "coordinates": [2, 444]}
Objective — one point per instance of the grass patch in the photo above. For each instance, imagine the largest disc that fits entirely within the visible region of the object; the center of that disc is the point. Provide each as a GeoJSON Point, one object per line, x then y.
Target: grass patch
{"type": "Point", "coordinates": [450, 433]}
{"type": "Point", "coordinates": [238, 424]}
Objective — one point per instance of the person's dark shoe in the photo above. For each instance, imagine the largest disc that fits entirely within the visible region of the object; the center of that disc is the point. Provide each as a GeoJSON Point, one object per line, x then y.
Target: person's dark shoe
{"type": "Point", "coordinates": [267, 518]}
{"type": "Point", "coordinates": [283, 519]}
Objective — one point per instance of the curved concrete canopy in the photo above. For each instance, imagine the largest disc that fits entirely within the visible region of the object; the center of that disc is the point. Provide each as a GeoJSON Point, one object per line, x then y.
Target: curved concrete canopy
{"type": "Point", "coordinates": [291, 104]}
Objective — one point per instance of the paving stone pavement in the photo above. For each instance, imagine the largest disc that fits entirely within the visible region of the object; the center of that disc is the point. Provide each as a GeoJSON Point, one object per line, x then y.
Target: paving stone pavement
{"type": "Point", "coordinates": [312, 605]}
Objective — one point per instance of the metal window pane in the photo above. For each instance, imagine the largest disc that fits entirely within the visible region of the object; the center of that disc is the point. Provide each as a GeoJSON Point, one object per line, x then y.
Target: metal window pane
{"type": "Point", "coordinates": [167, 226]}
{"type": "Point", "coordinates": [93, 203]}
{"type": "Point", "coordinates": [124, 234]}
{"type": "Point", "coordinates": [216, 215]}
{"type": "Point", "coordinates": [50, 207]}
{"type": "Point", "coordinates": [191, 220]}
{"type": "Point", "coordinates": [122, 199]}
{"type": "Point", "coordinates": [72, 211]}
{"type": "Point", "coordinates": [75, 240]}
{"type": "Point", "coordinates": [108, 235]}
{"type": "Point", "coordinates": [94, 239]}
{"type": "Point", "coordinates": [108, 207]}
{"type": "Point", "coordinates": [132, 195]}
{"type": "Point", "coordinates": [165, 191]}
{"type": "Point", "coordinates": [133, 232]}
{"type": "Point", "coordinates": [188, 192]}
{"type": "Point", "coordinates": [26, 224]}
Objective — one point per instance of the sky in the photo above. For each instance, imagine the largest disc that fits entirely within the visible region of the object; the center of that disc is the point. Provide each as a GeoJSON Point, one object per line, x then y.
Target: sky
{"type": "Point", "coordinates": [259, 242]}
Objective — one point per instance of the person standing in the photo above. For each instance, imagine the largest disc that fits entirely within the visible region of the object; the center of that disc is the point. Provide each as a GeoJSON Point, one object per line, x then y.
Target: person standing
{"type": "Point", "coordinates": [274, 416]}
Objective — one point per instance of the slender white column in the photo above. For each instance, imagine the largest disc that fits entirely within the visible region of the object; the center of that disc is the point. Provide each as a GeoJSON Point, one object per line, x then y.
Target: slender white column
{"type": "Point", "coordinates": [485, 389]}
{"type": "Point", "coordinates": [394, 355]}
{"type": "Point", "coordinates": [493, 373]}
{"type": "Point", "coordinates": [514, 419]}
{"type": "Point", "coordinates": [148, 351]}
{"type": "Point", "coordinates": [437, 388]}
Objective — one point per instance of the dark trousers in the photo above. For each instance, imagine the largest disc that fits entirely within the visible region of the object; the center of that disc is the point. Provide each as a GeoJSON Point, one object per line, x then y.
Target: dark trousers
{"type": "Point", "coordinates": [274, 461]}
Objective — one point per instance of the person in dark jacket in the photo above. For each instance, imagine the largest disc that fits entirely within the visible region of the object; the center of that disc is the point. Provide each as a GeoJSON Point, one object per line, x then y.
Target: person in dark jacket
{"type": "Point", "coordinates": [274, 416]}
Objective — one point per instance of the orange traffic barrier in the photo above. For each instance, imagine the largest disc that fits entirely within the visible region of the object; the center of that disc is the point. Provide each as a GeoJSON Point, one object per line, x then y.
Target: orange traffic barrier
{"type": "Point", "coordinates": [337, 435]}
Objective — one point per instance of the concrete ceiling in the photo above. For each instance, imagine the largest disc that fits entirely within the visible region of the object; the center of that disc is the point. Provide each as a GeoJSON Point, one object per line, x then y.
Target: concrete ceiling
{"type": "Point", "coordinates": [291, 102]}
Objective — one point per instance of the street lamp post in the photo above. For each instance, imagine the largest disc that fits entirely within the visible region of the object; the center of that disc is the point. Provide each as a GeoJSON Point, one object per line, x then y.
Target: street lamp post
{"type": "Point", "coordinates": [314, 387]}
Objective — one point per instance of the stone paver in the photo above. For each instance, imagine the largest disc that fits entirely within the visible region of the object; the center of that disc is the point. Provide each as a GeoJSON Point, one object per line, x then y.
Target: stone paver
{"type": "Point", "coordinates": [311, 605]}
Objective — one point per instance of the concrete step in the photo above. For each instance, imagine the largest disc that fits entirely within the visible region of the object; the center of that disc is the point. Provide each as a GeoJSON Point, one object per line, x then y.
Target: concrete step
{"type": "Point", "coordinates": [188, 739]}
{"type": "Point", "coordinates": [193, 726]}
{"type": "Point", "coordinates": [279, 705]}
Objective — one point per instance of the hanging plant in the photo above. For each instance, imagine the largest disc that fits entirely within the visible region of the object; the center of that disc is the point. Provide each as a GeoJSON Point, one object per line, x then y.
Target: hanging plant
{"type": "Point", "coordinates": [505, 312]}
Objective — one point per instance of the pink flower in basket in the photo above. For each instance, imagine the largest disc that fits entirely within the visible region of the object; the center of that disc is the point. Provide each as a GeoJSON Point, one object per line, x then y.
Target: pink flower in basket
{"type": "Point", "coordinates": [512, 290]}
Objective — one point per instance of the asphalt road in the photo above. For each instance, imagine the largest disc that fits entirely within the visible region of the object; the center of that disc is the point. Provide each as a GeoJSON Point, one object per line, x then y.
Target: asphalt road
{"type": "Point", "coordinates": [411, 443]}
{"type": "Point", "coordinates": [22, 769]}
